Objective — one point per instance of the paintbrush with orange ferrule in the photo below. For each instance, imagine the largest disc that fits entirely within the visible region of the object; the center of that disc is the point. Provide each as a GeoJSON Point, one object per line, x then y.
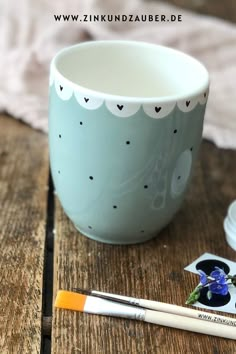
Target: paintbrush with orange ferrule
{"type": "Point", "coordinates": [100, 306]}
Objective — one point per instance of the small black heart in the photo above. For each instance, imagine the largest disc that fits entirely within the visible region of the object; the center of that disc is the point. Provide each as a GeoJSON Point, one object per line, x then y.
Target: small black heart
{"type": "Point", "coordinates": [187, 103]}
{"type": "Point", "coordinates": [86, 99]}
{"type": "Point", "coordinates": [157, 109]}
{"type": "Point", "coordinates": [61, 88]}
{"type": "Point", "coordinates": [120, 107]}
{"type": "Point", "coordinates": [205, 94]}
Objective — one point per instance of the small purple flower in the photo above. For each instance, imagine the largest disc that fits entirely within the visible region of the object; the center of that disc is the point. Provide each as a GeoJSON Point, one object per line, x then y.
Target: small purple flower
{"type": "Point", "coordinates": [219, 276]}
{"type": "Point", "coordinates": [203, 277]}
{"type": "Point", "coordinates": [216, 283]}
{"type": "Point", "coordinates": [220, 289]}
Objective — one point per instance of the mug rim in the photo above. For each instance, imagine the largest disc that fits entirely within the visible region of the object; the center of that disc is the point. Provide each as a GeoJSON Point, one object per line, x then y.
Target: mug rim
{"type": "Point", "coordinates": [55, 73]}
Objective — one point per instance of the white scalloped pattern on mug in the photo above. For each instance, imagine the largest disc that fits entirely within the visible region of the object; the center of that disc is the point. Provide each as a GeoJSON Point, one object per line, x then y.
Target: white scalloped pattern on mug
{"type": "Point", "coordinates": [126, 109]}
{"type": "Point", "coordinates": [187, 105]}
{"type": "Point", "coordinates": [203, 97]}
{"type": "Point", "coordinates": [121, 109]}
{"type": "Point", "coordinates": [64, 91]}
{"type": "Point", "coordinates": [158, 111]}
{"type": "Point", "coordinates": [88, 102]}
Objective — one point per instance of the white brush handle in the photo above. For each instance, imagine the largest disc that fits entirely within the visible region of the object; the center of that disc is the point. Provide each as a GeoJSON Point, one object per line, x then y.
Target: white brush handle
{"type": "Point", "coordinates": [189, 324]}
{"type": "Point", "coordinates": [184, 311]}
{"type": "Point", "coordinates": [175, 309]}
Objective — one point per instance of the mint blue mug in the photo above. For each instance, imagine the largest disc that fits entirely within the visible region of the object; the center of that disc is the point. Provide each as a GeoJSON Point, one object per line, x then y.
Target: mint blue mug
{"type": "Point", "coordinates": [125, 126]}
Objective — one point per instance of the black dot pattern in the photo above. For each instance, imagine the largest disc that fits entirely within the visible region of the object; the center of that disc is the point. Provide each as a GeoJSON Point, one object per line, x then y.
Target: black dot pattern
{"type": "Point", "coordinates": [127, 142]}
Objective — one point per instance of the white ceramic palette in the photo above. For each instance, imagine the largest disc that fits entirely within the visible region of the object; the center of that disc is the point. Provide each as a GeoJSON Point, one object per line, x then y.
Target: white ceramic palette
{"type": "Point", "coordinates": [207, 262]}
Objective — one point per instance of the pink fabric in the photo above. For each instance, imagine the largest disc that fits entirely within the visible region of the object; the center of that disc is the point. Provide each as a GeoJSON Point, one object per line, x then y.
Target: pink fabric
{"type": "Point", "coordinates": [30, 37]}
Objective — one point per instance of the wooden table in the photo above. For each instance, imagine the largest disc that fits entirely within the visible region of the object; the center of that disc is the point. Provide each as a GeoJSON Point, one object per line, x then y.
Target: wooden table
{"type": "Point", "coordinates": [36, 261]}
{"type": "Point", "coordinates": [223, 9]}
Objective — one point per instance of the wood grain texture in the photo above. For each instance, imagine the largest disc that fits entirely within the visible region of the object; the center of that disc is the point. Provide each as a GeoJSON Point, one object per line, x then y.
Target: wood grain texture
{"type": "Point", "coordinates": [222, 9]}
{"type": "Point", "coordinates": [153, 270]}
{"type": "Point", "coordinates": [23, 178]}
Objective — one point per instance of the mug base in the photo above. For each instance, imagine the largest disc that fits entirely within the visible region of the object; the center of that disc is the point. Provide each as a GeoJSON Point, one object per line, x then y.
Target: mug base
{"type": "Point", "coordinates": [114, 242]}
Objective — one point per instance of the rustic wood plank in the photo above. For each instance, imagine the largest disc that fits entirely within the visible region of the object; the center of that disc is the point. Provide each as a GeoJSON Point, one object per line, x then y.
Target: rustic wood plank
{"type": "Point", "coordinates": [23, 181]}
{"type": "Point", "coordinates": [153, 270]}
{"type": "Point", "coordinates": [223, 9]}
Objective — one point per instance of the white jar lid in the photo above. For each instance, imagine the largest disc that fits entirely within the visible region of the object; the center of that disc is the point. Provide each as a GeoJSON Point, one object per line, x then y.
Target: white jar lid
{"type": "Point", "coordinates": [230, 225]}
{"type": "Point", "coordinates": [232, 213]}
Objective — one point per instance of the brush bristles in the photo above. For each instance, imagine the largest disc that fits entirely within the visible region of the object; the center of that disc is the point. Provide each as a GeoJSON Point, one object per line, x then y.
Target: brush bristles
{"type": "Point", "coordinates": [69, 300]}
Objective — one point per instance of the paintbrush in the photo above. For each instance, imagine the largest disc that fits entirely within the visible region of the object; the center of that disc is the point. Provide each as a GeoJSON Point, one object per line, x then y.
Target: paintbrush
{"type": "Point", "coordinates": [161, 306]}
{"type": "Point", "coordinates": [95, 305]}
